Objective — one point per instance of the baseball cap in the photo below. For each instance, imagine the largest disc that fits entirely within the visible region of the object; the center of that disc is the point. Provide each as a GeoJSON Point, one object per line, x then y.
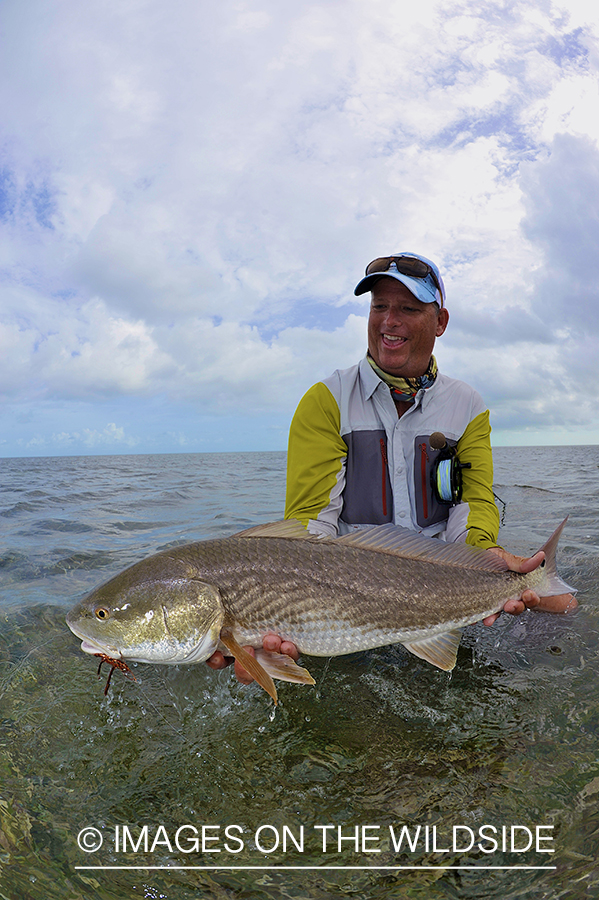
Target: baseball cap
{"type": "Point", "coordinates": [419, 274]}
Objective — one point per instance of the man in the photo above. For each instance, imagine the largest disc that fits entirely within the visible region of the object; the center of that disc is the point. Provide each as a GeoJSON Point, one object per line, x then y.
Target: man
{"type": "Point", "coordinates": [359, 444]}
{"type": "Point", "coordinates": [363, 442]}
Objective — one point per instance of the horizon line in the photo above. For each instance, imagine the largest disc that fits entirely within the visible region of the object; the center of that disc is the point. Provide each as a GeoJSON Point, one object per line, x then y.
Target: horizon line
{"type": "Point", "coordinates": [222, 452]}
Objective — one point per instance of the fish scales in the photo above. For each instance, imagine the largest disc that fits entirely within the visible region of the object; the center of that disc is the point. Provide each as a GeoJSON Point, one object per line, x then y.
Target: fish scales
{"type": "Point", "coordinates": [329, 596]}
{"type": "Point", "coordinates": [324, 594]}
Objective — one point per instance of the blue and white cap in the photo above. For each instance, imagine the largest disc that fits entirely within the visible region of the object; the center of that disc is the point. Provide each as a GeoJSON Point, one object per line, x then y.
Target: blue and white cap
{"type": "Point", "coordinates": [419, 274]}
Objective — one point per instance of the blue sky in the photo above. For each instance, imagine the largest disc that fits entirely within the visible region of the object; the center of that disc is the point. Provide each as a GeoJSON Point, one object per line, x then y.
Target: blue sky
{"type": "Point", "coordinates": [189, 193]}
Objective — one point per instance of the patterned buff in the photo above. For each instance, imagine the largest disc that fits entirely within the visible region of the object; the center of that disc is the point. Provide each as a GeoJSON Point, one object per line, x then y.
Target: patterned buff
{"type": "Point", "coordinates": [406, 388]}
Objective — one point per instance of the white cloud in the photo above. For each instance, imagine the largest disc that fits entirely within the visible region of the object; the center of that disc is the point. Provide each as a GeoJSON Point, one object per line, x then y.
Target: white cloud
{"type": "Point", "coordinates": [535, 361]}
{"type": "Point", "coordinates": [563, 221]}
{"type": "Point", "coordinates": [89, 353]}
{"type": "Point", "coordinates": [189, 193]}
{"type": "Point", "coordinates": [93, 439]}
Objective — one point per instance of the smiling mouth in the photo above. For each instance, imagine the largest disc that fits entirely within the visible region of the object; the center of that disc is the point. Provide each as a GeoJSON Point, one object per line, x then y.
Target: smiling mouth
{"type": "Point", "coordinates": [394, 339]}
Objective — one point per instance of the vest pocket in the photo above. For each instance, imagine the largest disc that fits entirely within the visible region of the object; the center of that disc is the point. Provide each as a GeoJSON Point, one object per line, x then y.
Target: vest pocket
{"type": "Point", "coordinates": [368, 494]}
{"type": "Point", "coordinates": [428, 509]}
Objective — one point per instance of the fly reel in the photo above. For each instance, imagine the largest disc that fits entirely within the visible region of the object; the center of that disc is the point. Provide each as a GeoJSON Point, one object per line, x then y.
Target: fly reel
{"type": "Point", "coordinates": [446, 473]}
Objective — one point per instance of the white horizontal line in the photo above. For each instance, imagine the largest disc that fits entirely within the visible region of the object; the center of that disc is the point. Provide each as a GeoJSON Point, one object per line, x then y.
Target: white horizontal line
{"type": "Point", "coordinates": [316, 868]}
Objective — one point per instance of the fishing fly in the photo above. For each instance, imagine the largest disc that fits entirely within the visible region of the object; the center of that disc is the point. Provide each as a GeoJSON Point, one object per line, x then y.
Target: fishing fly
{"type": "Point", "coordinates": [114, 664]}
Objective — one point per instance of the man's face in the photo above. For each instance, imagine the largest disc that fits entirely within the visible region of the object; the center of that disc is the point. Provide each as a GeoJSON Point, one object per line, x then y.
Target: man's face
{"type": "Point", "coordinates": [402, 329]}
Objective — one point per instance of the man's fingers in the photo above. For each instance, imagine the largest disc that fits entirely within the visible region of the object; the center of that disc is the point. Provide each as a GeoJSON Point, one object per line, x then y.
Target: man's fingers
{"type": "Point", "coordinates": [290, 649]}
{"type": "Point", "coordinates": [530, 599]}
{"type": "Point", "coordinates": [275, 644]}
{"type": "Point", "coordinates": [218, 661]}
{"type": "Point", "coordinates": [532, 563]}
{"type": "Point", "coordinates": [559, 603]}
{"type": "Point", "coordinates": [522, 564]}
{"type": "Point", "coordinates": [271, 642]}
{"type": "Point", "coordinates": [241, 673]}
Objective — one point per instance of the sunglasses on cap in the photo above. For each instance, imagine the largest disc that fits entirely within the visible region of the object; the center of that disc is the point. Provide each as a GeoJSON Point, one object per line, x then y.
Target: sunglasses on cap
{"type": "Point", "coordinates": [416, 272]}
{"type": "Point", "coordinates": [407, 265]}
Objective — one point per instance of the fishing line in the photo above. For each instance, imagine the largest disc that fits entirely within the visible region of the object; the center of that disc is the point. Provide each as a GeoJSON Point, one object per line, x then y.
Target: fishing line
{"type": "Point", "coordinates": [210, 744]}
{"type": "Point", "coordinates": [503, 508]}
{"type": "Point", "coordinates": [31, 709]}
{"type": "Point", "coordinates": [444, 485]}
{"type": "Point", "coordinates": [156, 709]}
{"type": "Point", "coordinates": [325, 672]}
{"type": "Point", "coordinates": [446, 473]}
{"type": "Point", "coordinates": [21, 663]}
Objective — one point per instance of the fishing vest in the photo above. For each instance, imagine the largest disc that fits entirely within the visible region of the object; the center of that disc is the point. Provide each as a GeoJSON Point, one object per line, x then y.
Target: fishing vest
{"type": "Point", "coordinates": [368, 493]}
{"type": "Point", "coordinates": [353, 462]}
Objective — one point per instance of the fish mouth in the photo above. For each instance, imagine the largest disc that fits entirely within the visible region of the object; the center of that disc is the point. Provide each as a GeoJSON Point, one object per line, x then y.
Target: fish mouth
{"type": "Point", "coordinates": [94, 649]}
{"type": "Point", "coordinates": [88, 645]}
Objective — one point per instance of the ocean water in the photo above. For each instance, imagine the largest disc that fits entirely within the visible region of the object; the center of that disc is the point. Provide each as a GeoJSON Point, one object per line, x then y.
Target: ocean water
{"type": "Point", "coordinates": [197, 787]}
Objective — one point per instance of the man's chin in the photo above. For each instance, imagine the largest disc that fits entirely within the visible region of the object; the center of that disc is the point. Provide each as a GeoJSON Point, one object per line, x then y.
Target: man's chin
{"type": "Point", "coordinates": [395, 364]}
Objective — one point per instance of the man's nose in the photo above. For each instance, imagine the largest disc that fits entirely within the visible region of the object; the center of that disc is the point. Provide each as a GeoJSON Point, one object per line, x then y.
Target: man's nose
{"type": "Point", "coordinates": [393, 316]}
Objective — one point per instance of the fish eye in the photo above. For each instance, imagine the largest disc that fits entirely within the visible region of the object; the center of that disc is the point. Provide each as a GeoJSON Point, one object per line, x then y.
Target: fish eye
{"type": "Point", "coordinates": [102, 613]}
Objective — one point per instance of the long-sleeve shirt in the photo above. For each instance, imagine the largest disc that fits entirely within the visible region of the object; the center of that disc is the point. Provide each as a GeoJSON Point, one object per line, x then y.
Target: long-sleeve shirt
{"type": "Point", "coordinates": [353, 462]}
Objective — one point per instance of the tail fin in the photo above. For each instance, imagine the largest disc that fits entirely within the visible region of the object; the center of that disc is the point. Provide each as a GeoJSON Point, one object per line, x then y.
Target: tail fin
{"type": "Point", "coordinates": [555, 585]}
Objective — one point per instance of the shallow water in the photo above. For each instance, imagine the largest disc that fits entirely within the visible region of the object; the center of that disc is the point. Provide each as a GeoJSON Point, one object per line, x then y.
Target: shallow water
{"type": "Point", "coordinates": [383, 740]}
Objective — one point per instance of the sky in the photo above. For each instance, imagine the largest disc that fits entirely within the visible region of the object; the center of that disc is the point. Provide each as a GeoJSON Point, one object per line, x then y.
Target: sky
{"type": "Point", "coordinates": [190, 191]}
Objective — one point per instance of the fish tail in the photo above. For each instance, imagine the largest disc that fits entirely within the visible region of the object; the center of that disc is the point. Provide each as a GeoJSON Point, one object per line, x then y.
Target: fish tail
{"type": "Point", "coordinates": [553, 583]}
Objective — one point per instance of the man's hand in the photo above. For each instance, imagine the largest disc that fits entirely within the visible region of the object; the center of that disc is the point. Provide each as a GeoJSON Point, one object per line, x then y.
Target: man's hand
{"type": "Point", "coordinates": [530, 599]}
{"type": "Point", "coordinates": [270, 642]}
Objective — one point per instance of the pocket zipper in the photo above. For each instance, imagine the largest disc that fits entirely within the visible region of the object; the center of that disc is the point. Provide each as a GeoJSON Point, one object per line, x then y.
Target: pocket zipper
{"type": "Point", "coordinates": [384, 481]}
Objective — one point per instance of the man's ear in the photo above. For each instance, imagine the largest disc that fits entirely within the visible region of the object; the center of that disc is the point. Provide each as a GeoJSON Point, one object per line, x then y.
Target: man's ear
{"type": "Point", "coordinates": [442, 320]}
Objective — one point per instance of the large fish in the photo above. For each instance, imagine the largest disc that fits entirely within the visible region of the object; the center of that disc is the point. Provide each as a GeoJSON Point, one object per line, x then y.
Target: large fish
{"type": "Point", "coordinates": [376, 586]}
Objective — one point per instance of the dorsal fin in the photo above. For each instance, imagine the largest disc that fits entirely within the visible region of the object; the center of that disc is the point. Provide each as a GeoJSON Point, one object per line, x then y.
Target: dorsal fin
{"type": "Point", "coordinates": [286, 528]}
{"type": "Point", "coordinates": [392, 539]}
{"type": "Point", "coordinates": [409, 544]}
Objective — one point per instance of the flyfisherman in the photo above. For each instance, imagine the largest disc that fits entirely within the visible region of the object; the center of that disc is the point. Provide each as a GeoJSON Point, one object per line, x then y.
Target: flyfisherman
{"type": "Point", "coordinates": [363, 442]}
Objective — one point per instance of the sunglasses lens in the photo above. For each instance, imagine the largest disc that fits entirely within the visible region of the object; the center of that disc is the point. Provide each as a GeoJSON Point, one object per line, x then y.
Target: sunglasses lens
{"type": "Point", "coordinates": [379, 265]}
{"type": "Point", "coordinates": [407, 265]}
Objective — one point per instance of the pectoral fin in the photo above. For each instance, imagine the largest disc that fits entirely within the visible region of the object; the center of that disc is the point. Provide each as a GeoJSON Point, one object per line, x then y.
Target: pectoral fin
{"type": "Point", "coordinates": [248, 662]}
{"type": "Point", "coordinates": [440, 650]}
{"type": "Point", "coordinates": [281, 666]}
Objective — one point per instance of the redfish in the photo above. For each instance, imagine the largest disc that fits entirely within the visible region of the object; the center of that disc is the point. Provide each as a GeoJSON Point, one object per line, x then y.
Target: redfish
{"type": "Point", "coordinates": [330, 596]}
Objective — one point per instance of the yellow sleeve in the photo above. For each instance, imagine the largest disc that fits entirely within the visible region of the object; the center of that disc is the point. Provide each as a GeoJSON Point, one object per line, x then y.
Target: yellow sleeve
{"type": "Point", "coordinates": [315, 454]}
{"type": "Point", "coordinates": [474, 447]}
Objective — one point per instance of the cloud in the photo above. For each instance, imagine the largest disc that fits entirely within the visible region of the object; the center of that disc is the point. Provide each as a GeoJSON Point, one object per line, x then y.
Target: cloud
{"type": "Point", "coordinates": [90, 353]}
{"type": "Point", "coordinates": [536, 362]}
{"type": "Point", "coordinates": [93, 440]}
{"type": "Point", "coordinates": [562, 220]}
{"type": "Point", "coordinates": [218, 365]}
{"type": "Point", "coordinates": [188, 195]}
